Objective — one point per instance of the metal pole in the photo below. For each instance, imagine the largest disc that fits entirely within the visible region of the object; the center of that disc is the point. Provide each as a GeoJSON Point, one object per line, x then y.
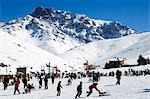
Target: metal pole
{"type": "Point", "coordinates": [49, 70]}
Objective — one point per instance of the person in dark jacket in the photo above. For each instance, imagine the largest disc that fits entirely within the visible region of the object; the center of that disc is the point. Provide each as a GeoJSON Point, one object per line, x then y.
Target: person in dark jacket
{"type": "Point", "coordinates": [24, 80]}
{"type": "Point", "coordinates": [79, 90]}
{"type": "Point", "coordinates": [91, 87]}
{"type": "Point", "coordinates": [40, 82]}
{"type": "Point", "coordinates": [69, 82]}
{"type": "Point", "coordinates": [5, 82]}
{"type": "Point", "coordinates": [59, 88]}
{"type": "Point", "coordinates": [118, 76]}
{"type": "Point", "coordinates": [52, 77]}
{"type": "Point", "coordinates": [46, 82]}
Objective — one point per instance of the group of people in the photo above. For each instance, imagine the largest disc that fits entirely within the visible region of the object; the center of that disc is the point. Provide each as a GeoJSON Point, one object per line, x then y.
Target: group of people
{"type": "Point", "coordinates": [71, 77]}
{"type": "Point", "coordinates": [45, 77]}
{"type": "Point", "coordinates": [16, 82]}
{"type": "Point", "coordinates": [27, 87]}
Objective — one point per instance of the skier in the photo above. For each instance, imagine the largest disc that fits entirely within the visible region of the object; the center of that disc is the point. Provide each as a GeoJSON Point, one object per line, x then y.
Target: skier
{"type": "Point", "coordinates": [118, 76]}
{"type": "Point", "coordinates": [40, 82]}
{"type": "Point", "coordinates": [46, 82]}
{"type": "Point", "coordinates": [79, 90]}
{"type": "Point", "coordinates": [91, 87]}
{"type": "Point", "coordinates": [17, 82]}
{"type": "Point", "coordinates": [24, 80]}
{"type": "Point", "coordinates": [59, 88]}
{"type": "Point", "coordinates": [52, 77]}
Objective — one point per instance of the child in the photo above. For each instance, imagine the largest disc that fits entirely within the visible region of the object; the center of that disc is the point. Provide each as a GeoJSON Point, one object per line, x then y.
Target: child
{"type": "Point", "coordinates": [69, 82]}
{"type": "Point", "coordinates": [59, 88]}
{"type": "Point", "coordinates": [17, 82]}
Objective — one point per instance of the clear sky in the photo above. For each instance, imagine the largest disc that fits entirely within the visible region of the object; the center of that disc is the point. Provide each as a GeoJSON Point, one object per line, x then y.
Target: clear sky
{"type": "Point", "coordinates": [134, 13]}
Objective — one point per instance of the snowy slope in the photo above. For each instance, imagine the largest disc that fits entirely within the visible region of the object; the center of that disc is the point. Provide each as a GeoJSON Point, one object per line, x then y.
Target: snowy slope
{"type": "Point", "coordinates": [40, 33]}
{"type": "Point", "coordinates": [15, 53]}
{"type": "Point", "coordinates": [130, 88]}
{"type": "Point", "coordinates": [100, 52]}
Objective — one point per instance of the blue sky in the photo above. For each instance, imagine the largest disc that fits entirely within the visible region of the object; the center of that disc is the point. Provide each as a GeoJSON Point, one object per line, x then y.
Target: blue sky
{"type": "Point", "coordinates": [134, 13]}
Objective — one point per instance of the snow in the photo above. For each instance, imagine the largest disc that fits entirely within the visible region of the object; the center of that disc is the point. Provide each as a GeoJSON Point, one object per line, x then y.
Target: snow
{"type": "Point", "coordinates": [45, 35]}
{"type": "Point", "coordinates": [100, 52]}
{"type": "Point", "coordinates": [17, 53]}
{"type": "Point", "coordinates": [130, 88]}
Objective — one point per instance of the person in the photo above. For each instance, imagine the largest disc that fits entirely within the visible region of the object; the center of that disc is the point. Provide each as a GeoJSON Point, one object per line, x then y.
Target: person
{"type": "Point", "coordinates": [69, 82]}
{"type": "Point", "coordinates": [17, 82]}
{"type": "Point", "coordinates": [40, 82]}
{"type": "Point", "coordinates": [94, 76]}
{"type": "Point", "coordinates": [52, 77]}
{"type": "Point", "coordinates": [24, 80]}
{"type": "Point", "coordinates": [5, 82]}
{"type": "Point", "coordinates": [59, 88]}
{"type": "Point", "coordinates": [46, 82]}
{"type": "Point", "coordinates": [91, 87]}
{"type": "Point", "coordinates": [118, 76]}
{"type": "Point", "coordinates": [79, 90]}
{"type": "Point", "coordinates": [28, 88]}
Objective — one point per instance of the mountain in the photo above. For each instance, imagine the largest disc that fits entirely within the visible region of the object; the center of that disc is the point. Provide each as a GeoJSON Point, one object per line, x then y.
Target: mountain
{"type": "Point", "coordinates": [1, 23]}
{"type": "Point", "coordinates": [82, 27]}
{"type": "Point", "coordinates": [100, 52]}
{"type": "Point", "coordinates": [40, 33]}
{"type": "Point", "coordinates": [17, 53]}
{"type": "Point", "coordinates": [67, 40]}
{"type": "Point", "coordinates": [58, 31]}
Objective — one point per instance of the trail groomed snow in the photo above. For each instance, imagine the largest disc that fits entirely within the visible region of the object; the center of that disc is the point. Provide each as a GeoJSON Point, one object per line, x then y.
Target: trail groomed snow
{"type": "Point", "coordinates": [130, 88]}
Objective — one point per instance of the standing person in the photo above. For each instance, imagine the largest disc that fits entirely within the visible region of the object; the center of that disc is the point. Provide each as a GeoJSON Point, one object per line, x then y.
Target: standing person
{"type": "Point", "coordinates": [24, 80]}
{"type": "Point", "coordinates": [59, 88]}
{"type": "Point", "coordinates": [79, 90]}
{"type": "Point", "coordinates": [46, 82]}
{"type": "Point", "coordinates": [94, 76]}
{"type": "Point", "coordinates": [5, 82]}
{"type": "Point", "coordinates": [97, 76]}
{"type": "Point", "coordinates": [40, 82]}
{"type": "Point", "coordinates": [52, 77]}
{"type": "Point", "coordinates": [118, 76]}
{"type": "Point", "coordinates": [91, 87]}
{"type": "Point", "coordinates": [17, 82]}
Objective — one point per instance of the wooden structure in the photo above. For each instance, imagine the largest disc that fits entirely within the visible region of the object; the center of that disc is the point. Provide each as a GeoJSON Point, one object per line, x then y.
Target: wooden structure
{"type": "Point", "coordinates": [88, 67]}
{"type": "Point", "coordinates": [22, 70]}
{"type": "Point", "coordinates": [4, 65]}
{"type": "Point", "coordinates": [55, 70]}
{"type": "Point", "coordinates": [115, 63]}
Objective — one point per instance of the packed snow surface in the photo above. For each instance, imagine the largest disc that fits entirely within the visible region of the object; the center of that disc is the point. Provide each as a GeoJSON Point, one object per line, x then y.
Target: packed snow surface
{"type": "Point", "coordinates": [130, 88]}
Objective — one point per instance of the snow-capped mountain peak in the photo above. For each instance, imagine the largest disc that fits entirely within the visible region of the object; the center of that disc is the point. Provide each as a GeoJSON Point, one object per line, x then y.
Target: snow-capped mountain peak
{"type": "Point", "coordinates": [58, 31]}
{"type": "Point", "coordinates": [82, 27]}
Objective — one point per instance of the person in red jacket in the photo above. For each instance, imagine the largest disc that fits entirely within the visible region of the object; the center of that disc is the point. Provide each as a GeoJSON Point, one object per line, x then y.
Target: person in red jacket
{"type": "Point", "coordinates": [91, 87]}
{"type": "Point", "coordinates": [17, 82]}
